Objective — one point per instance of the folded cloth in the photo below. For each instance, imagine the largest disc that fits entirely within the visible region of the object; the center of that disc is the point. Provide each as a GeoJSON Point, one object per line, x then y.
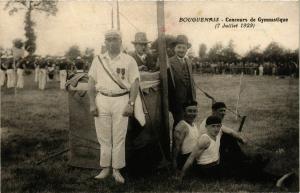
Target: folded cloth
{"type": "Point", "coordinates": [139, 111]}
{"type": "Point", "coordinates": [76, 78]}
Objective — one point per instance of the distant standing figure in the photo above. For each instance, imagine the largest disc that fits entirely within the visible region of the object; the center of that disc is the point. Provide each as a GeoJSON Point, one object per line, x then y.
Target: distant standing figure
{"type": "Point", "coordinates": [20, 72]}
{"type": "Point", "coordinates": [43, 74]}
{"type": "Point", "coordinates": [10, 72]}
{"type": "Point", "coordinates": [36, 70]}
{"type": "Point", "coordinates": [79, 64]}
{"type": "Point", "coordinates": [261, 70]}
{"type": "Point", "coordinates": [63, 73]}
{"type": "Point", "coordinates": [3, 70]}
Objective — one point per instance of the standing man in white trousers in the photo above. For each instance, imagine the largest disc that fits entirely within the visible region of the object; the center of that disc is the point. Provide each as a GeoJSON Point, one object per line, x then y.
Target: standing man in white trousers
{"type": "Point", "coordinates": [36, 69]}
{"type": "Point", "coordinates": [11, 77]}
{"type": "Point", "coordinates": [21, 64]}
{"type": "Point", "coordinates": [3, 66]}
{"type": "Point", "coordinates": [113, 90]}
{"type": "Point", "coordinates": [63, 73]}
{"type": "Point", "coordinates": [43, 75]}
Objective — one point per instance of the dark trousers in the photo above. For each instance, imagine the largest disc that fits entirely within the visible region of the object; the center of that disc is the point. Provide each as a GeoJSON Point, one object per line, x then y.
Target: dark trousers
{"type": "Point", "coordinates": [235, 163]}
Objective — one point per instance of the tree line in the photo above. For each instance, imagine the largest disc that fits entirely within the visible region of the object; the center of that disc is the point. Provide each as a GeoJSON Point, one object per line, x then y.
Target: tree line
{"type": "Point", "coordinates": [273, 53]}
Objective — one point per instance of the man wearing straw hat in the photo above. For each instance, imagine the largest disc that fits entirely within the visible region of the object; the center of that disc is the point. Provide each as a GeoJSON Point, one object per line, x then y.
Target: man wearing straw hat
{"type": "Point", "coordinates": [141, 54]}
{"type": "Point", "coordinates": [113, 91]}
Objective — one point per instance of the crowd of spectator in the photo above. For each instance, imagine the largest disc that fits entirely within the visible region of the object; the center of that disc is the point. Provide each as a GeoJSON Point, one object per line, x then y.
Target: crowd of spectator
{"type": "Point", "coordinates": [250, 68]}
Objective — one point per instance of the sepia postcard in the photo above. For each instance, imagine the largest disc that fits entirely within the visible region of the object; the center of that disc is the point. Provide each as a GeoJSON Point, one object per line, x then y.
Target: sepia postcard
{"type": "Point", "coordinates": [149, 96]}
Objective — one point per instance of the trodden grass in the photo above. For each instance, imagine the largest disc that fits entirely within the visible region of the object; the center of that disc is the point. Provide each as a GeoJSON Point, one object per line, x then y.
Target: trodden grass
{"type": "Point", "coordinates": [35, 123]}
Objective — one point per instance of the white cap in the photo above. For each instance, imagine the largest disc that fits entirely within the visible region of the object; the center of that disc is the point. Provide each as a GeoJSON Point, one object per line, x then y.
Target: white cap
{"type": "Point", "coordinates": [113, 33]}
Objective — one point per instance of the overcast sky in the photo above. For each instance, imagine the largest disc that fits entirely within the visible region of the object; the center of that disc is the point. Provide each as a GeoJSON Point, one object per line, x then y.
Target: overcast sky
{"type": "Point", "coordinates": [84, 22]}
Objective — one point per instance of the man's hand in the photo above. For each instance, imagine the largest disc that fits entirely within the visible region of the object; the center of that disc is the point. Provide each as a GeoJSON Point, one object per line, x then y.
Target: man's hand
{"type": "Point", "coordinates": [128, 111]}
{"type": "Point", "coordinates": [94, 110]}
{"type": "Point", "coordinates": [242, 140]}
{"type": "Point", "coordinates": [143, 68]}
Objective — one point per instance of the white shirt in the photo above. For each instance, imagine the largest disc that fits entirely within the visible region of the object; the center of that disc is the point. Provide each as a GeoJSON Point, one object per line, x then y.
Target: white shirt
{"type": "Point", "coordinates": [123, 65]}
{"type": "Point", "coordinates": [212, 153]}
{"type": "Point", "coordinates": [190, 139]}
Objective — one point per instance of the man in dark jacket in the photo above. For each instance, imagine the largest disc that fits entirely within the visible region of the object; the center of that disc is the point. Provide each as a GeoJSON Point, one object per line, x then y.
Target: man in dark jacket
{"type": "Point", "coordinates": [181, 83]}
{"type": "Point", "coordinates": [142, 57]}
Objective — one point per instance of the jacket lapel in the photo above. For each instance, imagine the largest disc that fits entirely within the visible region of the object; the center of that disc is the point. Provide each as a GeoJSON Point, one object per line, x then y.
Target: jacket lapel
{"type": "Point", "coordinates": [177, 68]}
{"type": "Point", "coordinates": [138, 59]}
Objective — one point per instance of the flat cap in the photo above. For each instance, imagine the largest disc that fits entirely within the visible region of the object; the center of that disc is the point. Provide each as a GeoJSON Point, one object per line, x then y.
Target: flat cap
{"type": "Point", "coordinates": [211, 120]}
{"type": "Point", "coordinates": [218, 105]}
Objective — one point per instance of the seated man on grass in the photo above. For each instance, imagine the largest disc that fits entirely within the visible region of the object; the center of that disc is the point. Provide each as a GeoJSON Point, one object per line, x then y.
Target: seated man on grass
{"type": "Point", "coordinates": [185, 136]}
{"type": "Point", "coordinates": [207, 161]}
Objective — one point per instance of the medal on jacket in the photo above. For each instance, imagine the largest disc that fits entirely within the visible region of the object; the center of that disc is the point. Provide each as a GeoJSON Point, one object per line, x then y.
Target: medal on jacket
{"type": "Point", "coordinates": [122, 72]}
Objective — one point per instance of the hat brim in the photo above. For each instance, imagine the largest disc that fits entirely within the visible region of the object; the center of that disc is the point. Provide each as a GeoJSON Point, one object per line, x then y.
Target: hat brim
{"type": "Point", "coordinates": [188, 44]}
{"type": "Point", "coordinates": [145, 42]}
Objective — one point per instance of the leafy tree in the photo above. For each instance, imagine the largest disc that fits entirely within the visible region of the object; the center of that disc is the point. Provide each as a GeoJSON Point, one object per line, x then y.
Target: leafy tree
{"type": "Point", "coordinates": [229, 54]}
{"type": "Point", "coordinates": [46, 6]}
{"type": "Point", "coordinates": [254, 55]}
{"type": "Point", "coordinates": [215, 53]}
{"type": "Point", "coordinates": [202, 51]}
{"type": "Point", "coordinates": [73, 52]}
{"type": "Point", "coordinates": [274, 53]}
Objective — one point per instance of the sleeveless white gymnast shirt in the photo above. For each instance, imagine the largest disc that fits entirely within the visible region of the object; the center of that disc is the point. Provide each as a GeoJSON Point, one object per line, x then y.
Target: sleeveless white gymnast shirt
{"type": "Point", "coordinates": [212, 153]}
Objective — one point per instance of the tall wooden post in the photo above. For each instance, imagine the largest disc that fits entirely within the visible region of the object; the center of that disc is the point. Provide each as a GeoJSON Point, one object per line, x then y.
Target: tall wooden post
{"type": "Point", "coordinates": [162, 56]}
{"type": "Point", "coordinates": [118, 16]}
{"type": "Point", "coordinates": [112, 18]}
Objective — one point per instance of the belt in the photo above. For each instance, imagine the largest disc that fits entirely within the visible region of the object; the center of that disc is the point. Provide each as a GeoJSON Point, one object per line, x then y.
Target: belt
{"type": "Point", "coordinates": [112, 94]}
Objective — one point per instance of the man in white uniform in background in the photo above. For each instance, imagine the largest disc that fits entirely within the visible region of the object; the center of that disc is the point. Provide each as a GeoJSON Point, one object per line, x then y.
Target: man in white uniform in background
{"type": "Point", "coordinates": [36, 69]}
{"type": "Point", "coordinates": [11, 77]}
{"type": "Point", "coordinates": [113, 89]}
{"type": "Point", "coordinates": [63, 73]}
{"type": "Point", "coordinates": [3, 66]}
{"type": "Point", "coordinates": [42, 74]}
{"type": "Point", "coordinates": [21, 65]}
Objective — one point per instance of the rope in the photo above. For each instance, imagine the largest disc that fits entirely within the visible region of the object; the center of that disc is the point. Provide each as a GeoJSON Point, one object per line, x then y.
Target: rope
{"type": "Point", "coordinates": [214, 100]}
{"type": "Point", "coordinates": [136, 28]}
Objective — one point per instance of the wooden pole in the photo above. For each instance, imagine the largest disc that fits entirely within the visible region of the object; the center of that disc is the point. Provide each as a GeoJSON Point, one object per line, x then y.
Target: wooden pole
{"type": "Point", "coordinates": [112, 18]}
{"type": "Point", "coordinates": [238, 96]}
{"type": "Point", "coordinates": [162, 56]}
{"type": "Point", "coordinates": [118, 16]}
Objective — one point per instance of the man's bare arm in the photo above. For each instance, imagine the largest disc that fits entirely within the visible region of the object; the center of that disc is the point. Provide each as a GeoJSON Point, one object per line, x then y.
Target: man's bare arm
{"type": "Point", "coordinates": [179, 134]}
{"type": "Point", "coordinates": [233, 134]}
{"type": "Point", "coordinates": [202, 145]}
{"type": "Point", "coordinates": [92, 96]}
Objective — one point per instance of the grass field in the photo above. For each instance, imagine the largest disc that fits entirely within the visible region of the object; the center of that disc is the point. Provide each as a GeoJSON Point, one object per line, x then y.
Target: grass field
{"type": "Point", "coordinates": [35, 123]}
